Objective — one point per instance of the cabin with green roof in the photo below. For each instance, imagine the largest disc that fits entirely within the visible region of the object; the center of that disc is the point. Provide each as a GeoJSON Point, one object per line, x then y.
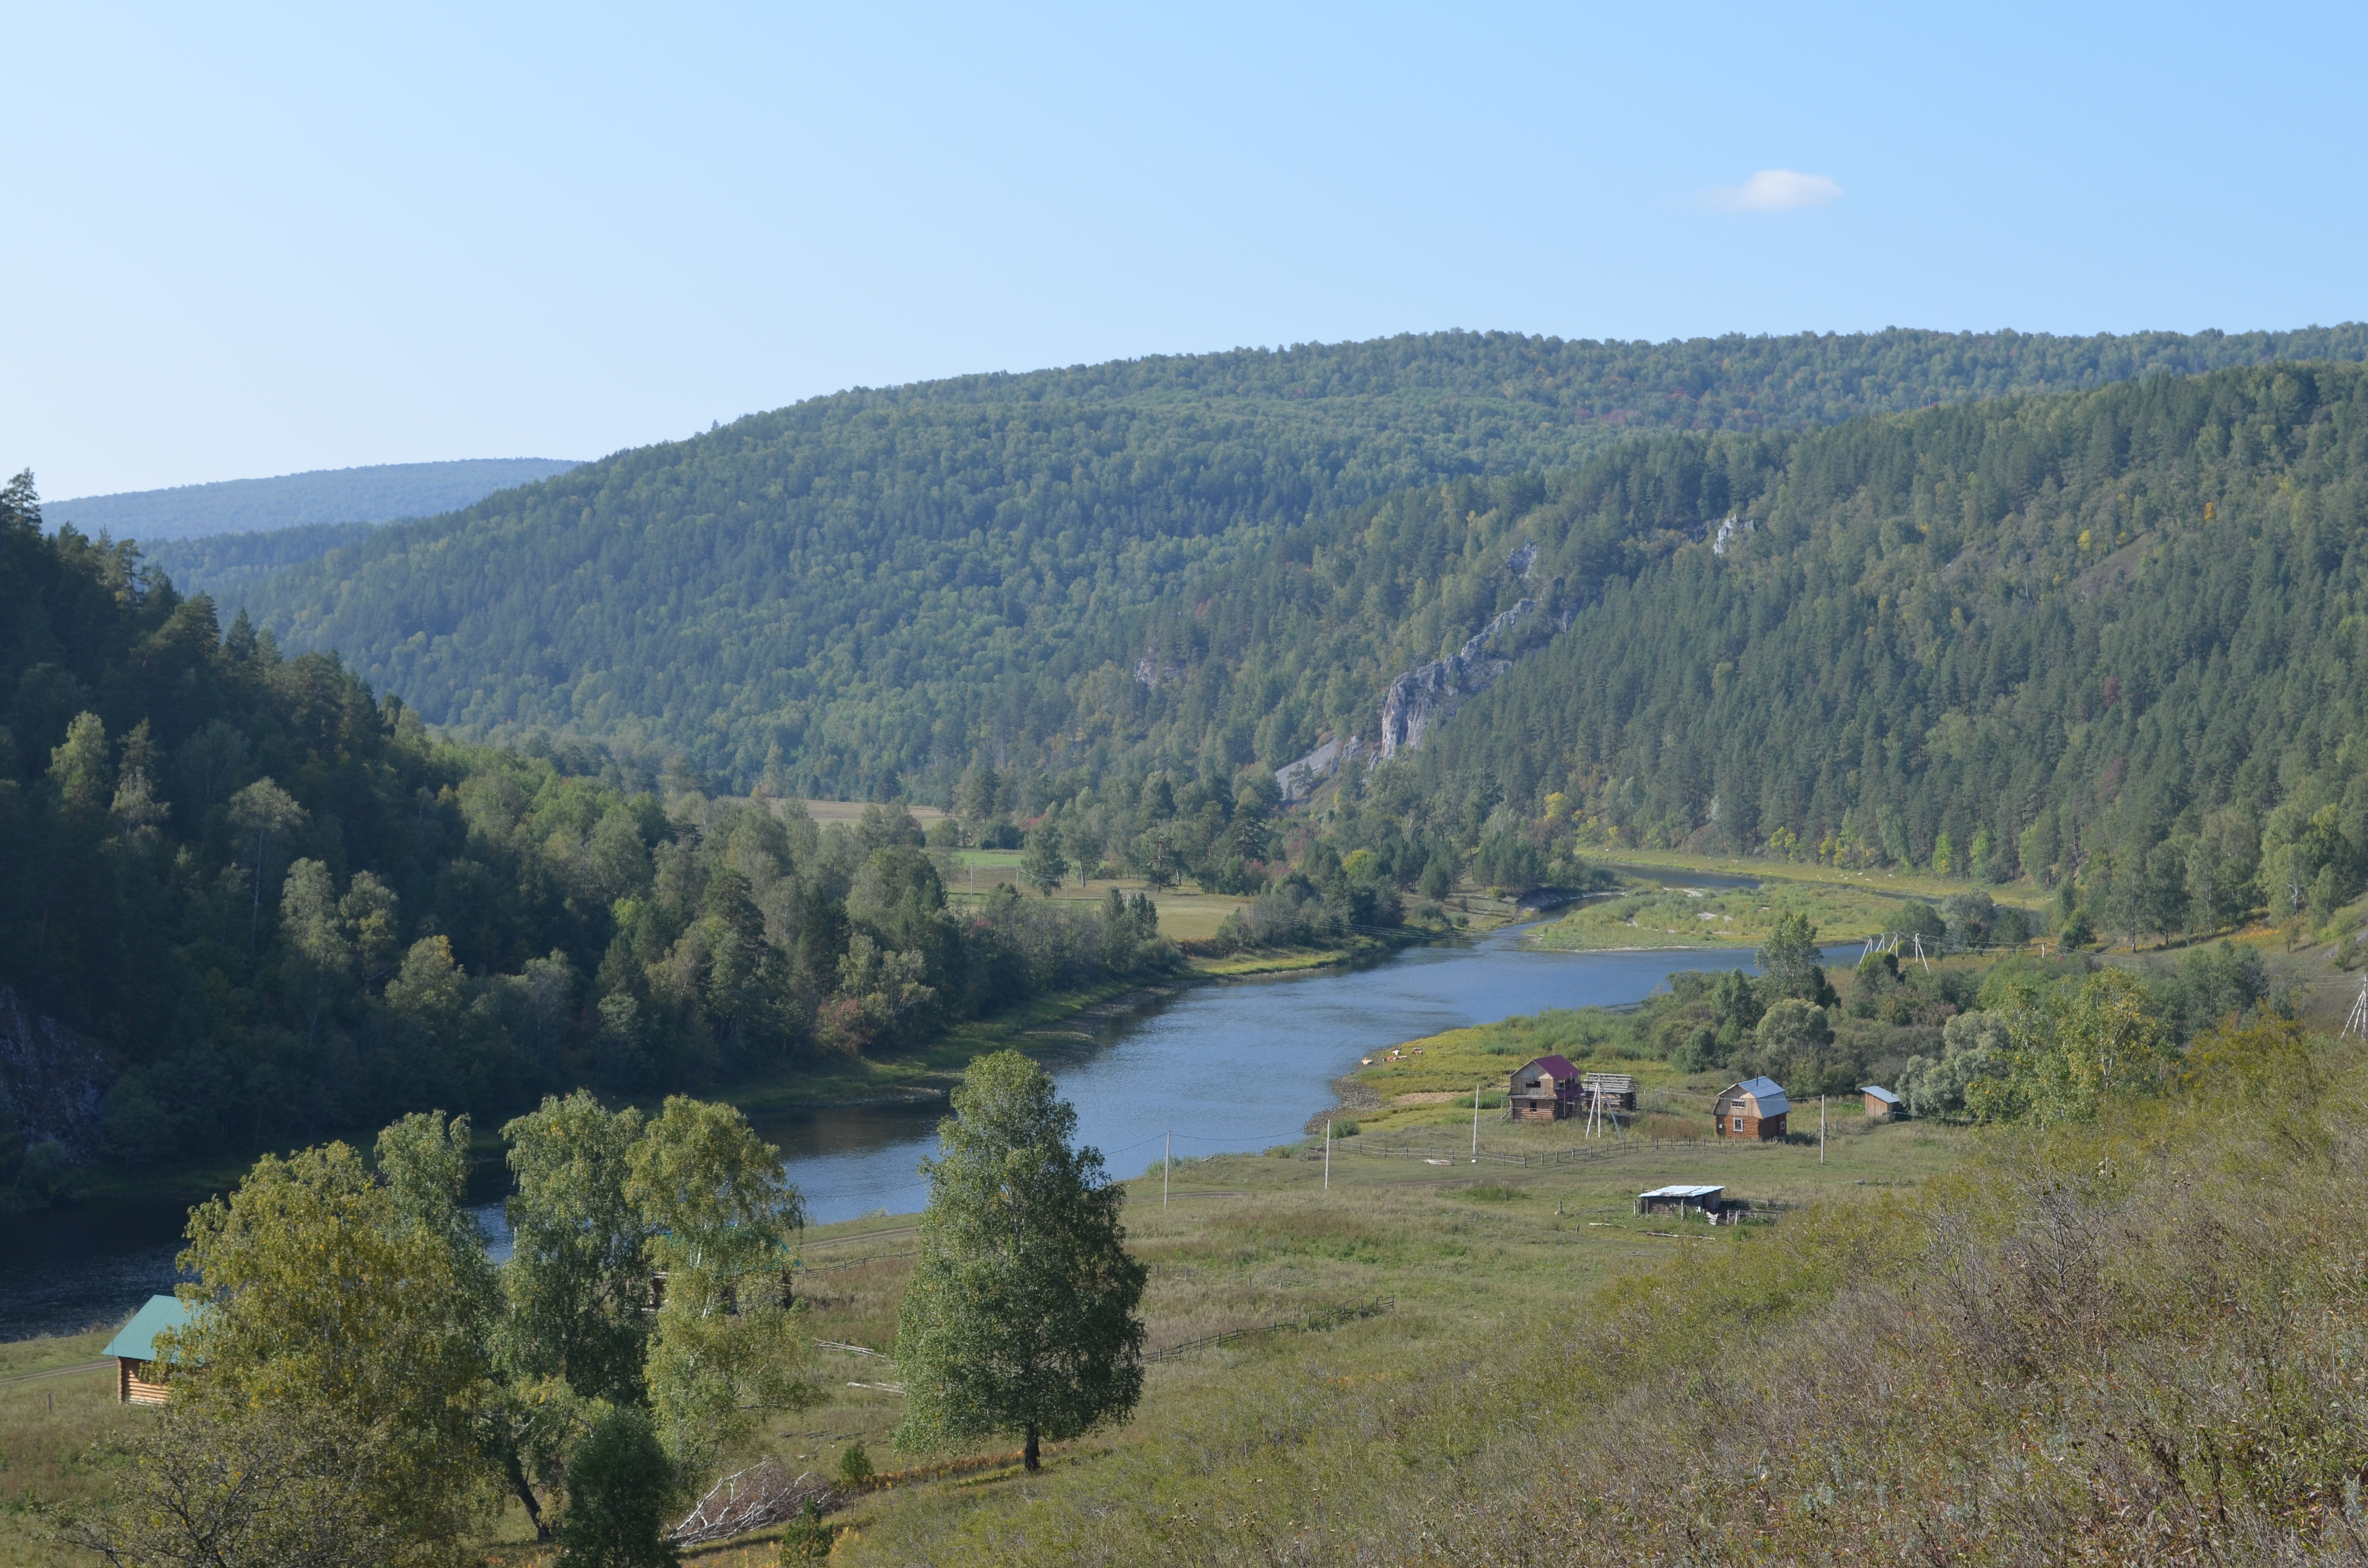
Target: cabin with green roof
{"type": "Point", "coordinates": [138, 1380]}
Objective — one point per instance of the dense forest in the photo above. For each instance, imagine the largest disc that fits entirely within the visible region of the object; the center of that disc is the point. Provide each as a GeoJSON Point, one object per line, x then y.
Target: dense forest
{"type": "Point", "coordinates": [280, 908]}
{"type": "Point", "coordinates": [373, 494]}
{"type": "Point", "coordinates": [859, 595]}
{"type": "Point", "coordinates": [225, 565]}
{"type": "Point", "coordinates": [2113, 637]}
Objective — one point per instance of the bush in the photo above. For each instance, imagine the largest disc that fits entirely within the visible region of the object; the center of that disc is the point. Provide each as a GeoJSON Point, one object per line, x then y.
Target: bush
{"type": "Point", "coordinates": [620, 1486]}
{"type": "Point", "coordinates": [854, 1469]}
{"type": "Point", "coordinates": [808, 1538]}
{"type": "Point", "coordinates": [1699, 1053]}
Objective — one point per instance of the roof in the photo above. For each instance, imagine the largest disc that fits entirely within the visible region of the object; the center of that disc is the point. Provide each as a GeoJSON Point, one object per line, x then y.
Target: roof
{"type": "Point", "coordinates": [137, 1341]}
{"type": "Point", "coordinates": [1683, 1189]}
{"type": "Point", "coordinates": [1768, 1092]}
{"type": "Point", "coordinates": [1555, 1067]}
{"type": "Point", "coordinates": [1879, 1092]}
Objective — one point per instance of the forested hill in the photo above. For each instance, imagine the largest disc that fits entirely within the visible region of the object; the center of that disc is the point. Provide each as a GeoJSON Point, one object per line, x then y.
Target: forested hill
{"type": "Point", "coordinates": [2117, 637]}
{"type": "Point", "coordinates": [377, 494]}
{"type": "Point", "coordinates": [860, 592]}
{"type": "Point", "coordinates": [278, 909]}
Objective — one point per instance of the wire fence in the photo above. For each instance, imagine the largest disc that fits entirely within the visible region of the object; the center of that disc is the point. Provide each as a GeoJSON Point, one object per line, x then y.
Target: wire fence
{"type": "Point", "coordinates": [1309, 1323]}
{"type": "Point", "coordinates": [1607, 1147]}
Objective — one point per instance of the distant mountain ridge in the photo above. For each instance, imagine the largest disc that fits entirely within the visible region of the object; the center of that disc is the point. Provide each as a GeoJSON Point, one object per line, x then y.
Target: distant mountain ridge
{"type": "Point", "coordinates": [378, 493]}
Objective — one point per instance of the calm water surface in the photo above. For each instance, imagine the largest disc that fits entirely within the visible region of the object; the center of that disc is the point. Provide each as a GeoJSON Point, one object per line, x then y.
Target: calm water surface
{"type": "Point", "coordinates": [1226, 1068]}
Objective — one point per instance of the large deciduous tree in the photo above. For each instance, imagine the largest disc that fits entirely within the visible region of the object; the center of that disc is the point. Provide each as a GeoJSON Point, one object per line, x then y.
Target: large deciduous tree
{"type": "Point", "coordinates": [729, 1345]}
{"type": "Point", "coordinates": [1020, 1314]}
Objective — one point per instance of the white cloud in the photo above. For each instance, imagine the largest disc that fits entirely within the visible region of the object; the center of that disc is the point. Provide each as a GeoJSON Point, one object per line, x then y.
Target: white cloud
{"type": "Point", "coordinates": [1774, 191]}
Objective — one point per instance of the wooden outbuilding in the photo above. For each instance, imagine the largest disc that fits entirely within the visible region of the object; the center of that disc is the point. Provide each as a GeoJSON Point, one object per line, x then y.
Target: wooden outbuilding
{"type": "Point", "coordinates": [1754, 1108]}
{"type": "Point", "coordinates": [1882, 1105]}
{"type": "Point", "coordinates": [1679, 1196]}
{"type": "Point", "coordinates": [1544, 1090]}
{"type": "Point", "coordinates": [138, 1380]}
{"type": "Point", "coordinates": [1616, 1090]}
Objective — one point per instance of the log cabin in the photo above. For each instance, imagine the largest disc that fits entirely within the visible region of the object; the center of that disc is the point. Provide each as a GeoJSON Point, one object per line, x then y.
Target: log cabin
{"type": "Point", "coordinates": [138, 1380]}
{"type": "Point", "coordinates": [1754, 1108]}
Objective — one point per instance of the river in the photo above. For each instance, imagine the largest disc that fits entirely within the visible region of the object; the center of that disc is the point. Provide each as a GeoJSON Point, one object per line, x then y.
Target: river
{"type": "Point", "coordinates": [1226, 1068]}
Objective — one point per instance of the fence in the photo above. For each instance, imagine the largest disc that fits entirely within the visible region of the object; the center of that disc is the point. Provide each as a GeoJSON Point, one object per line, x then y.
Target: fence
{"type": "Point", "coordinates": [1329, 1317]}
{"type": "Point", "coordinates": [1607, 1147]}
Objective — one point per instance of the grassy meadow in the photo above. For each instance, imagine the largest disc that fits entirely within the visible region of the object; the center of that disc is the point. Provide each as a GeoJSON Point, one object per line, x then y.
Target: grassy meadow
{"type": "Point", "coordinates": [1741, 918]}
{"type": "Point", "coordinates": [1471, 1256]}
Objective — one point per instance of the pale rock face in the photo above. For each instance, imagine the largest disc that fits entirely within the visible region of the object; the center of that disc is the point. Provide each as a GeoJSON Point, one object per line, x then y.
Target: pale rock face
{"type": "Point", "coordinates": [1424, 696]}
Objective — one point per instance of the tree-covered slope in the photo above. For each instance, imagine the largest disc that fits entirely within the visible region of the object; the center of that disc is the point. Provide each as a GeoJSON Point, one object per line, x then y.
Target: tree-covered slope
{"type": "Point", "coordinates": [227, 565]}
{"type": "Point", "coordinates": [274, 907]}
{"type": "Point", "coordinates": [372, 494]}
{"type": "Point", "coordinates": [2121, 635]}
{"type": "Point", "coordinates": [869, 589]}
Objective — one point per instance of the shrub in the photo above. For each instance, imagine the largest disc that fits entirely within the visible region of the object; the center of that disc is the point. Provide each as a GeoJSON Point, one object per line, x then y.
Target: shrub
{"type": "Point", "coordinates": [854, 1468]}
{"type": "Point", "coordinates": [619, 1485]}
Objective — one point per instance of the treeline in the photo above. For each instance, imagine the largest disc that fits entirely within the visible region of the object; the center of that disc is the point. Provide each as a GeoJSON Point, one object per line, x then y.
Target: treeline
{"type": "Point", "coordinates": [281, 909]}
{"type": "Point", "coordinates": [859, 596]}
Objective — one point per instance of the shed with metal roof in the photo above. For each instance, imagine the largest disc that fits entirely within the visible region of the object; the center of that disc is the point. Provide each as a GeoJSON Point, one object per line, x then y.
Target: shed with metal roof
{"type": "Point", "coordinates": [1882, 1105]}
{"type": "Point", "coordinates": [1755, 1108]}
{"type": "Point", "coordinates": [1679, 1196]}
{"type": "Point", "coordinates": [137, 1379]}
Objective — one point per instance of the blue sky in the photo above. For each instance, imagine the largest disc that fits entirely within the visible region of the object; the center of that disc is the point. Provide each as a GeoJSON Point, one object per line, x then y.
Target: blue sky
{"type": "Point", "coordinates": [250, 241]}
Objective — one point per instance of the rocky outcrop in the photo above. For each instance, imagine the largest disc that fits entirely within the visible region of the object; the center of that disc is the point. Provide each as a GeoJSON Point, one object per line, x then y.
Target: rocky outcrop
{"type": "Point", "coordinates": [53, 1082]}
{"type": "Point", "coordinates": [1299, 780]}
{"type": "Point", "coordinates": [1423, 697]}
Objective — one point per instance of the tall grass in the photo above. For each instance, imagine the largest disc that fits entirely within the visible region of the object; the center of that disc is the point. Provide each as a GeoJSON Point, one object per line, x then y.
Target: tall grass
{"type": "Point", "coordinates": [2141, 1340]}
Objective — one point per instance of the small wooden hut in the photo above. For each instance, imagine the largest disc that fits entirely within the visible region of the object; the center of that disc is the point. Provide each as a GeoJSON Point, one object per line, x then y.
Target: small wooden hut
{"type": "Point", "coordinates": [1882, 1105]}
{"type": "Point", "coordinates": [1543, 1090]}
{"type": "Point", "coordinates": [1754, 1108]}
{"type": "Point", "coordinates": [138, 1380]}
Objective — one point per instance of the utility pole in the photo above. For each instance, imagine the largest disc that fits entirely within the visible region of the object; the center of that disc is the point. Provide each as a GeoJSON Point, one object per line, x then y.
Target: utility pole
{"type": "Point", "coordinates": [1476, 1122]}
{"type": "Point", "coordinates": [1327, 1154]}
{"type": "Point", "coordinates": [1821, 1130]}
{"type": "Point", "coordinates": [1166, 1169]}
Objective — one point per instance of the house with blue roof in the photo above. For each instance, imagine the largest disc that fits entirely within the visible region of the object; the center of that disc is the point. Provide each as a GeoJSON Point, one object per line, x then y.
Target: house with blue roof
{"type": "Point", "coordinates": [1755, 1108]}
{"type": "Point", "coordinates": [138, 1380]}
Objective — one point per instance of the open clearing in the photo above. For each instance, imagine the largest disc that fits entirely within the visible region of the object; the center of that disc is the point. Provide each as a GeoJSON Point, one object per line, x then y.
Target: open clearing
{"type": "Point", "coordinates": [1468, 1255]}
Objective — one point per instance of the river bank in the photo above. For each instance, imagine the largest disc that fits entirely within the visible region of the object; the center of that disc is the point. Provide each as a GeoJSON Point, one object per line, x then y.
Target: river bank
{"type": "Point", "coordinates": [1233, 1067]}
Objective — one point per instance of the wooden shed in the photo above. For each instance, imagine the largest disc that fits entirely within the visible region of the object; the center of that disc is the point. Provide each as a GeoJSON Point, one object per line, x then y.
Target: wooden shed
{"type": "Point", "coordinates": [1543, 1090]}
{"type": "Point", "coordinates": [137, 1379]}
{"type": "Point", "coordinates": [1616, 1090]}
{"type": "Point", "coordinates": [1882, 1105]}
{"type": "Point", "coordinates": [1754, 1108]}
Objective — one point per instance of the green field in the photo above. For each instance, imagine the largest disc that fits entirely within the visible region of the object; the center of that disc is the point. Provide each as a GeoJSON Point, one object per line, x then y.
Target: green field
{"type": "Point", "coordinates": [1677, 916]}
